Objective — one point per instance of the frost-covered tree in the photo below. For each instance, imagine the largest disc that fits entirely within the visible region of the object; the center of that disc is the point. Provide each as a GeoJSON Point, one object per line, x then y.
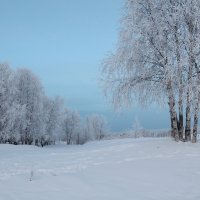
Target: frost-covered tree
{"type": "Point", "coordinates": [52, 116]}
{"type": "Point", "coordinates": [157, 59]}
{"type": "Point", "coordinates": [16, 117]}
{"type": "Point", "coordinates": [185, 29]}
{"type": "Point", "coordinates": [6, 99]}
{"type": "Point", "coordinates": [29, 94]}
{"type": "Point", "coordinates": [70, 125]}
{"type": "Point", "coordinates": [191, 16]}
{"type": "Point", "coordinates": [12, 114]}
{"type": "Point", "coordinates": [96, 127]}
{"type": "Point", "coordinates": [79, 137]}
{"type": "Point", "coordinates": [141, 67]}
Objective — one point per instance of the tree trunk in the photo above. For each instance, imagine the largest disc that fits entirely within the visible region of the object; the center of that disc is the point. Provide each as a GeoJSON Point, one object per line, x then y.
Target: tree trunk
{"type": "Point", "coordinates": [173, 114]}
{"type": "Point", "coordinates": [180, 75]}
{"type": "Point", "coordinates": [180, 122]}
{"type": "Point", "coordinates": [188, 124]}
{"type": "Point", "coordinates": [196, 110]}
{"type": "Point", "coordinates": [188, 107]}
{"type": "Point", "coordinates": [194, 135]}
{"type": "Point", "coordinates": [172, 132]}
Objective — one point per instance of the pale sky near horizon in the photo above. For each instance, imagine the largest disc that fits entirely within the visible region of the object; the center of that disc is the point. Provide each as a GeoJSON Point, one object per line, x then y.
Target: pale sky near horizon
{"type": "Point", "coordinates": [63, 42]}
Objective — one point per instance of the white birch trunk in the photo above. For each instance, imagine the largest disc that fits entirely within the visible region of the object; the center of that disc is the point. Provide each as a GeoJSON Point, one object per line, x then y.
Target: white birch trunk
{"type": "Point", "coordinates": [180, 75]}
{"type": "Point", "coordinates": [189, 90]}
{"type": "Point", "coordinates": [196, 109]}
{"type": "Point", "coordinates": [173, 114]}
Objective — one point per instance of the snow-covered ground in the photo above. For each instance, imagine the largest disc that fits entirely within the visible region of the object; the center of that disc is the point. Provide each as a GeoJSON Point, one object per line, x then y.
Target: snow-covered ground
{"type": "Point", "coordinates": [126, 169]}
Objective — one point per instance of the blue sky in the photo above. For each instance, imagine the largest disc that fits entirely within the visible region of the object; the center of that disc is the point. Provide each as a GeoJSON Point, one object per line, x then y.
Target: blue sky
{"type": "Point", "coordinates": [64, 42]}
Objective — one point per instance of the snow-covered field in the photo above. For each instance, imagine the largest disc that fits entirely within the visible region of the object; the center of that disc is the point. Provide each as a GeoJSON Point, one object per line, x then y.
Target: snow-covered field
{"type": "Point", "coordinates": [126, 169]}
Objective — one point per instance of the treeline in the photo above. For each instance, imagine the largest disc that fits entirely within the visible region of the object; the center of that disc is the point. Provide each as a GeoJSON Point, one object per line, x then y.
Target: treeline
{"type": "Point", "coordinates": [142, 133]}
{"type": "Point", "coordinates": [28, 116]}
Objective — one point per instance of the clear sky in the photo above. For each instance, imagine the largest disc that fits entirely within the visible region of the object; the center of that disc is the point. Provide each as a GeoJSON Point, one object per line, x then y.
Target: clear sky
{"type": "Point", "coordinates": [64, 42]}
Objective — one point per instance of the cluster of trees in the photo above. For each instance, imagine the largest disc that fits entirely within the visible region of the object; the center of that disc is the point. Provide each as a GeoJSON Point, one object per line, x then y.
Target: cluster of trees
{"type": "Point", "coordinates": [28, 116]}
{"type": "Point", "coordinates": [75, 132]}
{"type": "Point", "coordinates": [158, 60]}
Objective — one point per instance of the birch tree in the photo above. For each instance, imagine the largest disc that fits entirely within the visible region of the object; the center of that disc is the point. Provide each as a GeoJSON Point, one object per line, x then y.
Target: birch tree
{"type": "Point", "coordinates": [96, 127]}
{"type": "Point", "coordinates": [156, 58]}
{"type": "Point", "coordinates": [52, 116]}
{"type": "Point", "coordinates": [142, 65]}
{"type": "Point", "coordinates": [5, 99]}
{"type": "Point", "coordinates": [192, 45]}
{"type": "Point", "coordinates": [30, 95]}
{"type": "Point", "coordinates": [71, 124]}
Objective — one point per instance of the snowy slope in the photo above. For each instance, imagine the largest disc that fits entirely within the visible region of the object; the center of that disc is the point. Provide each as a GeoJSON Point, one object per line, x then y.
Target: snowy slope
{"type": "Point", "coordinates": [126, 169]}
